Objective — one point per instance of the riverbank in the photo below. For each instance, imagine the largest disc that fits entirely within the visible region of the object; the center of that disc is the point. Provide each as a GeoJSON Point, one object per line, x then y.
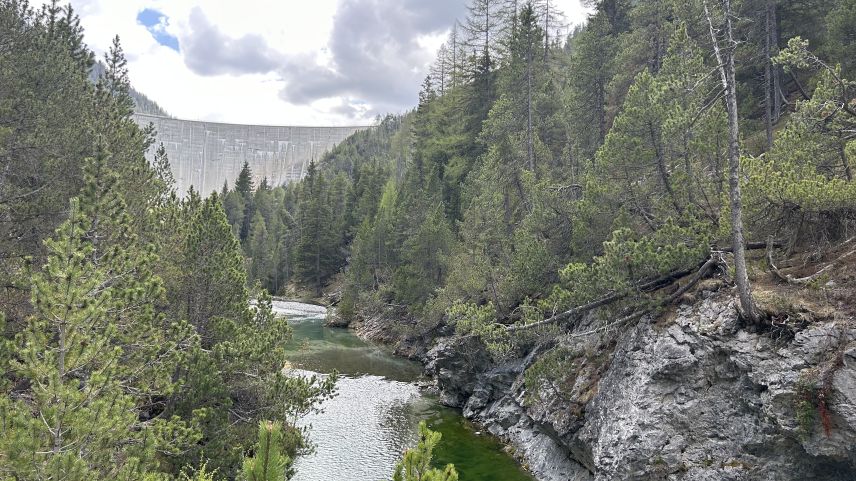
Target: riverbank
{"type": "Point", "coordinates": [690, 395]}
{"type": "Point", "coordinates": [460, 376]}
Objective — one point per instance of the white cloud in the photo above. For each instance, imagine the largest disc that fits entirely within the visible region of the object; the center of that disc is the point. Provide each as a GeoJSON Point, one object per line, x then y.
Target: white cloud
{"type": "Point", "coordinates": [297, 33]}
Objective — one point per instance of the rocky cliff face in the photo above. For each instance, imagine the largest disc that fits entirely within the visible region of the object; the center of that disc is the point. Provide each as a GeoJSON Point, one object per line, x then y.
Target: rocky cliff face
{"type": "Point", "coordinates": [693, 396]}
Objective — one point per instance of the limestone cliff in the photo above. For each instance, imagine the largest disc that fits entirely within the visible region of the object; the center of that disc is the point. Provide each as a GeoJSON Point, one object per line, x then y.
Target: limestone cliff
{"type": "Point", "coordinates": [688, 396]}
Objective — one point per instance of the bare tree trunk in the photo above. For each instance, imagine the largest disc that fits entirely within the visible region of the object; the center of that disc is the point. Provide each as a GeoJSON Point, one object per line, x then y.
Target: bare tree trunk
{"type": "Point", "coordinates": [547, 31]}
{"type": "Point", "coordinates": [770, 96]}
{"type": "Point", "coordinates": [843, 155]}
{"type": "Point", "coordinates": [725, 58]}
{"type": "Point", "coordinates": [487, 32]}
{"type": "Point", "coordinates": [529, 142]}
{"type": "Point", "coordinates": [777, 69]}
{"type": "Point", "coordinates": [454, 41]}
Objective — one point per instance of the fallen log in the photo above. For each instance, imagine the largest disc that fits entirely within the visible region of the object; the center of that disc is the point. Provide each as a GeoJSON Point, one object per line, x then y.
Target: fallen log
{"type": "Point", "coordinates": [705, 268]}
{"type": "Point", "coordinates": [656, 283]}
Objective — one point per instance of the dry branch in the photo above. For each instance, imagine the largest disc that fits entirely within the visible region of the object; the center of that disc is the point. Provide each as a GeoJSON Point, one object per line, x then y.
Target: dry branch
{"type": "Point", "coordinates": [803, 281]}
{"type": "Point", "coordinates": [648, 286]}
{"type": "Point", "coordinates": [699, 275]}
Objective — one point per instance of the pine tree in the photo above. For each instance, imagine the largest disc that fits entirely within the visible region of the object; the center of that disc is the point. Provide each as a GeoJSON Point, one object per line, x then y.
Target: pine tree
{"type": "Point", "coordinates": [246, 188]}
{"type": "Point", "coordinates": [115, 83]}
{"type": "Point", "coordinates": [317, 248]}
{"type": "Point", "coordinates": [78, 422]}
{"type": "Point", "coordinates": [215, 279]}
{"type": "Point", "coordinates": [260, 248]}
{"type": "Point", "coordinates": [269, 462]}
{"type": "Point", "coordinates": [163, 170]}
{"type": "Point", "coordinates": [663, 155]}
{"type": "Point", "coordinates": [142, 186]}
{"type": "Point", "coordinates": [424, 254]}
{"type": "Point", "coordinates": [47, 113]}
{"type": "Point", "coordinates": [244, 184]}
{"type": "Point", "coordinates": [840, 36]}
{"type": "Point", "coordinates": [416, 464]}
{"type": "Point", "coordinates": [591, 71]}
{"type": "Point", "coordinates": [522, 74]}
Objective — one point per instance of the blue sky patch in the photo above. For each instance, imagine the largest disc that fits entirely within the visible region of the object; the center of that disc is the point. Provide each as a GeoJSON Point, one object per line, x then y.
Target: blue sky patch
{"type": "Point", "coordinates": [155, 22]}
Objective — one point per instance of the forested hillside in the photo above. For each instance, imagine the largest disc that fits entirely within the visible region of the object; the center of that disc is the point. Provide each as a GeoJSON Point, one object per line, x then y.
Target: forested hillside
{"type": "Point", "coordinates": [628, 252]}
{"type": "Point", "coordinates": [541, 177]}
{"type": "Point", "coordinates": [551, 201]}
{"type": "Point", "coordinates": [128, 345]}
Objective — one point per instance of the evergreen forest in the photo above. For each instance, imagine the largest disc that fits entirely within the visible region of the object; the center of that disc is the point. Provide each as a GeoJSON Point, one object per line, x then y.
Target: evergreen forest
{"type": "Point", "coordinates": [542, 176]}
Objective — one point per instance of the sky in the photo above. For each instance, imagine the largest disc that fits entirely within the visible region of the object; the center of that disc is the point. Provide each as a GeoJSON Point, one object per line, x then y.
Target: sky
{"type": "Point", "coordinates": [278, 62]}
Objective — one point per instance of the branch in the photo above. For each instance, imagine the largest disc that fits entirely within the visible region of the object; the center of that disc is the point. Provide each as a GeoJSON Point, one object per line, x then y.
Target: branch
{"type": "Point", "coordinates": [609, 299]}
{"type": "Point", "coordinates": [802, 281]}
{"type": "Point", "coordinates": [751, 246]}
{"type": "Point", "coordinates": [716, 49]}
{"type": "Point", "coordinates": [572, 312]}
{"type": "Point", "coordinates": [805, 95]}
{"type": "Point", "coordinates": [705, 268]}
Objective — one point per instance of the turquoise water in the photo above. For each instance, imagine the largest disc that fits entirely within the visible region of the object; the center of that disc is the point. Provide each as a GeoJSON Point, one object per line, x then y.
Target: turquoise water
{"type": "Point", "coordinates": [362, 432]}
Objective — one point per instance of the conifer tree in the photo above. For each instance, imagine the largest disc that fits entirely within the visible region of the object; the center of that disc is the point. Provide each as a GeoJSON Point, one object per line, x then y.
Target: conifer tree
{"type": "Point", "coordinates": [78, 423]}
{"type": "Point", "coordinates": [114, 83]}
{"type": "Point", "coordinates": [163, 170]}
{"type": "Point", "coordinates": [269, 462]}
{"type": "Point", "coordinates": [416, 464]}
{"type": "Point", "coordinates": [423, 259]}
{"type": "Point", "coordinates": [244, 184]}
{"type": "Point", "coordinates": [591, 71]}
{"type": "Point", "coordinates": [235, 206]}
{"type": "Point", "coordinates": [261, 250]}
{"type": "Point", "coordinates": [663, 147]}
{"type": "Point", "coordinates": [245, 187]}
{"type": "Point", "coordinates": [317, 246]}
{"type": "Point", "coordinates": [215, 278]}
{"type": "Point", "coordinates": [484, 25]}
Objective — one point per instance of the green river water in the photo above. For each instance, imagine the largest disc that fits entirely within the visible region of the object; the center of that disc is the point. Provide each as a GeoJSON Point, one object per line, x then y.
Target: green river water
{"type": "Point", "coordinates": [362, 431]}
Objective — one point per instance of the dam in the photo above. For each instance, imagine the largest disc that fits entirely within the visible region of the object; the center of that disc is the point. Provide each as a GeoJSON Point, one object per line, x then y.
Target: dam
{"type": "Point", "coordinates": [207, 154]}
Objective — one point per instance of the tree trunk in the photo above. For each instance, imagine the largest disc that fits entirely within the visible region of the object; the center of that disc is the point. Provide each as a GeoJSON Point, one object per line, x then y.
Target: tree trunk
{"type": "Point", "coordinates": [848, 174]}
{"type": "Point", "coordinates": [547, 31]}
{"type": "Point", "coordinates": [770, 96]}
{"type": "Point", "coordinates": [778, 96]}
{"type": "Point", "coordinates": [487, 32]}
{"type": "Point", "coordinates": [529, 142]}
{"type": "Point", "coordinates": [57, 434]}
{"type": "Point", "coordinates": [318, 272]}
{"type": "Point", "coordinates": [662, 170]}
{"type": "Point", "coordinates": [725, 58]}
{"type": "Point", "coordinates": [600, 92]}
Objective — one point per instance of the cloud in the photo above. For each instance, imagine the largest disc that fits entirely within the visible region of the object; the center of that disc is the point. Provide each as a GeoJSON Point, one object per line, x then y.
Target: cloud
{"type": "Point", "coordinates": [377, 54]}
{"type": "Point", "coordinates": [208, 51]}
{"type": "Point", "coordinates": [157, 24]}
{"type": "Point", "coordinates": [279, 62]}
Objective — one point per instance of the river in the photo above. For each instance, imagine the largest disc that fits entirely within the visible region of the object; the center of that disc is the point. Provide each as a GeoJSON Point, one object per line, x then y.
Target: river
{"type": "Point", "coordinates": [363, 430]}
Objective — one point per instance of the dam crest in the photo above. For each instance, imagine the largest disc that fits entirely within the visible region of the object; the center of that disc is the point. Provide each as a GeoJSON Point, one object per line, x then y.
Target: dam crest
{"type": "Point", "coordinates": [206, 154]}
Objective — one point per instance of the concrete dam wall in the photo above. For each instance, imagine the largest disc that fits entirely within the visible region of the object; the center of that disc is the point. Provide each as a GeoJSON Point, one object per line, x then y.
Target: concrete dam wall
{"type": "Point", "coordinates": [205, 154]}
